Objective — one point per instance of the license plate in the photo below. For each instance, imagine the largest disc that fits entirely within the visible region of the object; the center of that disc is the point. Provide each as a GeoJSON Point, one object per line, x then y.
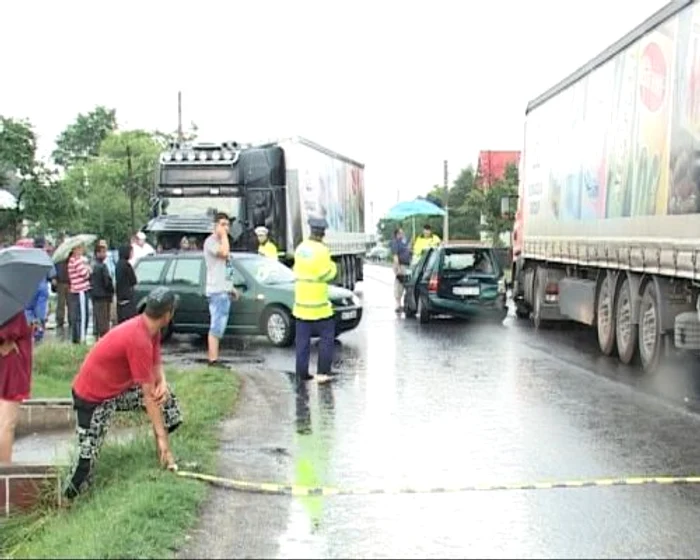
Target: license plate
{"type": "Point", "coordinates": [466, 291]}
{"type": "Point", "coordinates": [347, 315]}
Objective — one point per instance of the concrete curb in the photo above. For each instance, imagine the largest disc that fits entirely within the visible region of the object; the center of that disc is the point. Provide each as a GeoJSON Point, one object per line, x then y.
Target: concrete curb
{"type": "Point", "coordinates": [40, 415]}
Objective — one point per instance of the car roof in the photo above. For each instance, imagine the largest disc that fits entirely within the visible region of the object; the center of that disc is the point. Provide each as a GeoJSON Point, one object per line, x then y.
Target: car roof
{"type": "Point", "coordinates": [192, 254]}
{"type": "Point", "coordinates": [467, 245]}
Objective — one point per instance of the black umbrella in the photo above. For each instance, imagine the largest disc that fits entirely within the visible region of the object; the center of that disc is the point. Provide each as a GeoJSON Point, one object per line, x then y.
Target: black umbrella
{"type": "Point", "coordinates": [21, 270]}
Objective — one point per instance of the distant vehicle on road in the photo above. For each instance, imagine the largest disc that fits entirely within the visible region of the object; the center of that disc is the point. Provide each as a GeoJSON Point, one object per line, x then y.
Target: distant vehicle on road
{"type": "Point", "coordinates": [459, 280]}
{"type": "Point", "coordinates": [266, 290]}
{"type": "Point", "coordinates": [378, 253]}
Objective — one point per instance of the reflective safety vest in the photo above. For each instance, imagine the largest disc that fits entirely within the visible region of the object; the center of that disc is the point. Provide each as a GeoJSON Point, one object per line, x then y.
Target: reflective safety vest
{"type": "Point", "coordinates": [422, 243]}
{"type": "Point", "coordinates": [268, 249]}
{"type": "Point", "coordinates": [313, 270]}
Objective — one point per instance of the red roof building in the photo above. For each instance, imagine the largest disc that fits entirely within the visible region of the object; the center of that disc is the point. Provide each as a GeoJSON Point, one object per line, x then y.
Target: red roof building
{"type": "Point", "coordinates": [492, 166]}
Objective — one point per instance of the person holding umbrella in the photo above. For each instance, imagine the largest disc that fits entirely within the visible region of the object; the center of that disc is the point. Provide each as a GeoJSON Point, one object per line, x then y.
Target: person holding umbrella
{"type": "Point", "coordinates": [21, 270]}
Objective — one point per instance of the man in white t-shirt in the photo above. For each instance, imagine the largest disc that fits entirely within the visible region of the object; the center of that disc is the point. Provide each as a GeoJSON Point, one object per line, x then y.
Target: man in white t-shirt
{"type": "Point", "coordinates": [140, 247]}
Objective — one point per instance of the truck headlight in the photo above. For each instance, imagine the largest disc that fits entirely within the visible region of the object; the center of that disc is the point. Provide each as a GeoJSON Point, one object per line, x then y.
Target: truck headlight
{"type": "Point", "coordinates": [356, 301]}
{"type": "Point", "coordinates": [502, 286]}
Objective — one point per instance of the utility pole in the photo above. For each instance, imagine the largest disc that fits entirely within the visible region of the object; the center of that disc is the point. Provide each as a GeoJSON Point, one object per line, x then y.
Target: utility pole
{"type": "Point", "coordinates": [179, 116]}
{"type": "Point", "coordinates": [130, 187]}
{"type": "Point", "coordinates": [446, 222]}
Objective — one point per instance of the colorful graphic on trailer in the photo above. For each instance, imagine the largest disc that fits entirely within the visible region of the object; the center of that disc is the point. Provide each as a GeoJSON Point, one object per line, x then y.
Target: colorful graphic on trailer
{"type": "Point", "coordinates": [621, 142]}
{"type": "Point", "coordinates": [334, 190]}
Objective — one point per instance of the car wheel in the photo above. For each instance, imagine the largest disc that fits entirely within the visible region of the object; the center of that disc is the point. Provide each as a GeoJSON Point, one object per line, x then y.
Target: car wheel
{"type": "Point", "coordinates": [423, 314]}
{"type": "Point", "coordinates": [408, 310]}
{"type": "Point", "coordinates": [277, 326]}
{"type": "Point", "coordinates": [166, 333]}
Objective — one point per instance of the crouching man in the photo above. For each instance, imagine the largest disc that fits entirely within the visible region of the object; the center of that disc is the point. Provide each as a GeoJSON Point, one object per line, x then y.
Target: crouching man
{"type": "Point", "coordinates": [124, 372]}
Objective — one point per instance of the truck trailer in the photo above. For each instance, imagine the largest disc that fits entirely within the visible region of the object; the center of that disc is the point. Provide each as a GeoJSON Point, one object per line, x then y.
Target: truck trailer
{"type": "Point", "coordinates": [607, 230]}
{"type": "Point", "coordinates": [278, 184]}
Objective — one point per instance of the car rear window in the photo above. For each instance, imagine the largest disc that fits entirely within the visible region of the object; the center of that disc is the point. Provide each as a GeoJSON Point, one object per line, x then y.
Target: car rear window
{"type": "Point", "coordinates": [466, 260]}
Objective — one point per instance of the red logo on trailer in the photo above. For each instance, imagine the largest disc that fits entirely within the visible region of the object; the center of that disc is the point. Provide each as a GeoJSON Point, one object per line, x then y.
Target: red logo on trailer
{"type": "Point", "coordinates": [652, 77]}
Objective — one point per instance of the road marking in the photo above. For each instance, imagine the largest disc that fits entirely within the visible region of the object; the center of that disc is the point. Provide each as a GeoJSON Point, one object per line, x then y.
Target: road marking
{"type": "Point", "coordinates": [295, 490]}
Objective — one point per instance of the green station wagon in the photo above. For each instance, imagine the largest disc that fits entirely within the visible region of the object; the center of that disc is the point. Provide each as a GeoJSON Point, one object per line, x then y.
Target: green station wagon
{"type": "Point", "coordinates": [266, 289]}
{"type": "Point", "coordinates": [458, 280]}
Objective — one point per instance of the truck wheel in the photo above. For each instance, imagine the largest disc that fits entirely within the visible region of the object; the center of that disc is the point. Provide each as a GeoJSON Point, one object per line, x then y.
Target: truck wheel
{"type": "Point", "coordinates": [605, 317]}
{"type": "Point", "coordinates": [651, 341]}
{"type": "Point", "coordinates": [522, 311]}
{"type": "Point", "coordinates": [353, 274]}
{"type": "Point", "coordinates": [423, 314]}
{"type": "Point", "coordinates": [625, 331]}
{"type": "Point", "coordinates": [537, 308]}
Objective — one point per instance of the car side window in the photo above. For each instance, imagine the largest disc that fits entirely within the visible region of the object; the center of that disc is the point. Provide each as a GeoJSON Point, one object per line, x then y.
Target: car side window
{"type": "Point", "coordinates": [235, 276]}
{"type": "Point", "coordinates": [149, 271]}
{"type": "Point", "coordinates": [430, 259]}
{"type": "Point", "coordinates": [185, 272]}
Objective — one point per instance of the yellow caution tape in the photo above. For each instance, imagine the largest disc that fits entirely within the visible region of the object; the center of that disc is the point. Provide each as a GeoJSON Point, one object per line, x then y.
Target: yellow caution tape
{"type": "Point", "coordinates": [295, 490]}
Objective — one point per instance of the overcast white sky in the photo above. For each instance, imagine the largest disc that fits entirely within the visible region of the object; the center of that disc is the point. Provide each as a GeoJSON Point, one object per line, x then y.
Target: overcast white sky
{"type": "Point", "coordinates": [399, 86]}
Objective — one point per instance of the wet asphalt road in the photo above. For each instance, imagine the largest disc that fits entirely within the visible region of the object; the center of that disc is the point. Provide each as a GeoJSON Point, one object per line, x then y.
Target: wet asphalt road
{"type": "Point", "coordinates": [451, 404]}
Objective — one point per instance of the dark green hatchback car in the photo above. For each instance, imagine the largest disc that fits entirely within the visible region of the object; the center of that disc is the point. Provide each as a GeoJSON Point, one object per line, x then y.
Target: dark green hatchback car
{"type": "Point", "coordinates": [456, 279]}
{"type": "Point", "coordinates": [266, 290]}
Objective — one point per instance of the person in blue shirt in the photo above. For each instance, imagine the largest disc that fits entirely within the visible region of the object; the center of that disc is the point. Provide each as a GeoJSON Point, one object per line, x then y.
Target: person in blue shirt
{"type": "Point", "coordinates": [37, 310]}
{"type": "Point", "coordinates": [401, 259]}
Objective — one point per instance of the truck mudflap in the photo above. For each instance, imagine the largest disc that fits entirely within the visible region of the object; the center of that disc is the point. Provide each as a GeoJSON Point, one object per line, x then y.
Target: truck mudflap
{"type": "Point", "coordinates": [686, 332]}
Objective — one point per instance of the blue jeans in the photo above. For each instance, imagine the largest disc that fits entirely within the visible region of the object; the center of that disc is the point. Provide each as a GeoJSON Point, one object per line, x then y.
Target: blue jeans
{"type": "Point", "coordinates": [219, 308]}
{"type": "Point", "coordinates": [325, 330]}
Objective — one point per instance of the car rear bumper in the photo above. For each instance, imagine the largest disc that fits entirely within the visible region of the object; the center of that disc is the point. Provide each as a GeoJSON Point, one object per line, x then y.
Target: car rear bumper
{"type": "Point", "coordinates": [496, 306]}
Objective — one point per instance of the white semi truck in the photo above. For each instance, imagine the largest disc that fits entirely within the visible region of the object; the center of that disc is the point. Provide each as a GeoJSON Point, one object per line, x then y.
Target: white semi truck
{"type": "Point", "coordinates": [278, 184]}
{"type": "Point", "coordinates": [607, 231]}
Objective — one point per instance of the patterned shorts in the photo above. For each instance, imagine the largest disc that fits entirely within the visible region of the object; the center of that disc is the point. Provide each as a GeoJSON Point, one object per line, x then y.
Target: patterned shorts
{"type": "Point", "coordinates": [92, 424]}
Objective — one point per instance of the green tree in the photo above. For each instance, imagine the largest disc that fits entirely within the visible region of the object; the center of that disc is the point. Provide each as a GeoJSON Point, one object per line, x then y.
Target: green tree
{"type": "Point", "coordinates": [17, 150]}
{"type": "Point", "coordinates": [82, 139]}
{"type": "Point", "coordinates": [488, 204]}
{"type": "Point", "coordinates": [114, 187]}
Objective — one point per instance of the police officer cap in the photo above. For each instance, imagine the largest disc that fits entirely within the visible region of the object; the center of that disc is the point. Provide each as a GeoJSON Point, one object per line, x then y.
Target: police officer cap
{"type": "Point", "coordinates": [160, 301]}
{"type": "Point", "coordinates": [318, 223]}
{"type": "Point", "coordinates": [261, 230]}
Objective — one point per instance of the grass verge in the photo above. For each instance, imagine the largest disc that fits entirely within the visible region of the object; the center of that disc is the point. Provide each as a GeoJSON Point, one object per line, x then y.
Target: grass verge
{"type": "Point", "coordinates": [135, 509]}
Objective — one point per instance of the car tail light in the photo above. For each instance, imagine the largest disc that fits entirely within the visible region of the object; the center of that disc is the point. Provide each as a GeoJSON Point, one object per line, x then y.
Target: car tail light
{"type": "Point", "coordinates": [433, 284]}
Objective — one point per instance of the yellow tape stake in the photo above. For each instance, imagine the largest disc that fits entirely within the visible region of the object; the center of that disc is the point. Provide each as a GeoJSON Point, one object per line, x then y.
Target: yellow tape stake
{"type": "Point", "coordinates": [295, 490]}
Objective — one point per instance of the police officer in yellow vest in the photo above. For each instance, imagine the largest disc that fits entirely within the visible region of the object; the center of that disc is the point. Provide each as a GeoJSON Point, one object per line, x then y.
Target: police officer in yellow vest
{"type": "Point", "coordinates": [266, 248]}
{"type": "Point", "coordinates": [425, 241]}
{"type": "Point", "coordinates": [313, 311]}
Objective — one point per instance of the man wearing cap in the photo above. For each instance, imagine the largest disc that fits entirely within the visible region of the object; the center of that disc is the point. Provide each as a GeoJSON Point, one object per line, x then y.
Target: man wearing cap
{"type": "Point", "coordinates": [313, 311]}
{"type": "Point", "coordinates": [266, 248]}
{"type": "Point", "coordinates": [140, 247]}
{"type": "Point", "coordinates": [124, 372]}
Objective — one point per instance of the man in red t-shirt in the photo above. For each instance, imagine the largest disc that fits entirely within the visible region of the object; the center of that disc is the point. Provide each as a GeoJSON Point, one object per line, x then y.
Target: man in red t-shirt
{"type": "Point", "coordinates": [124, 372]}
{"type": "Point", "coordinates": [15, 377]}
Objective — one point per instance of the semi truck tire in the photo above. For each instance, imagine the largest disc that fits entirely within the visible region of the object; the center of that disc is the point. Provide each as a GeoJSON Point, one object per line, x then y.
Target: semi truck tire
{"type": "Point", "coordinates": [605, 316]}
{"type": "Point", "coordinates": [625, 331]}
{"type": "Point", "coordinates": [651, 340]}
